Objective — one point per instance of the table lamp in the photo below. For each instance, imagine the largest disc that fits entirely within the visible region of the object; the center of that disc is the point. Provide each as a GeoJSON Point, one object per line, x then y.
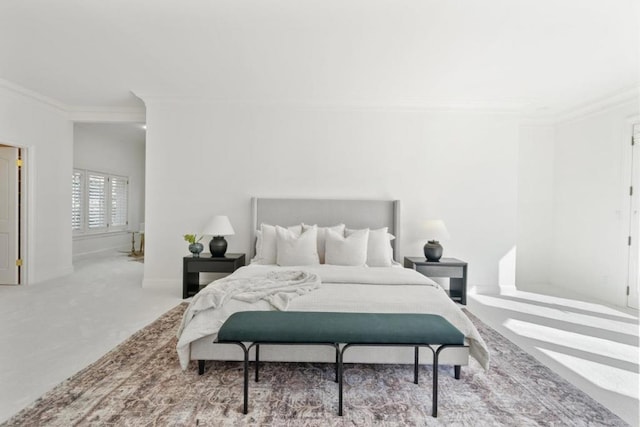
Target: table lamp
{"type": "Point", "coordinates": [218, 227]}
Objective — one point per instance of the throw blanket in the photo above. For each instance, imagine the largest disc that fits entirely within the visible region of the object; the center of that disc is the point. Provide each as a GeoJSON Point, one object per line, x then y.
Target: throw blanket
{"type": "Point", "coordinates": [277, 288]}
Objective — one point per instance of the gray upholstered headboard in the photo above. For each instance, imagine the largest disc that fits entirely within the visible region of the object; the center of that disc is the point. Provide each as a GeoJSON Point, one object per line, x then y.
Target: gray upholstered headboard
{"type": "Point", "coordinates": [326, 212]}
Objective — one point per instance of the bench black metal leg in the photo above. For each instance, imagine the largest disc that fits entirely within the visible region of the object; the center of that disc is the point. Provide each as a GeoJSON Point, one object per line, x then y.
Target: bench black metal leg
{"type": "Point", "coordinates": [340, 378]}
{"type": "Point", "coordinates": [337, 356]}
{"type": "Point", "coordinates": [200, 367]}
{"type": "Point", "coordinates": [434, 406]}
{"type": "Point", "coordinates": [245, 408]}
{"type": "Point", "coordinates": [415, 364]}
{"type": "Point", "coordinates": [257, 361]}
{"type": "Point", "coordinates": [456, 371]}
{"type": "Point", "coordinates": [434, 409]}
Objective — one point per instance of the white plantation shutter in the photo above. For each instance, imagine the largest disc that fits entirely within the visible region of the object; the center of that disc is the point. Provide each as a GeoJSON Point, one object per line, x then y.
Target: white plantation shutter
{"type": "Point", "coordinates": [97, 211]}
{"type": "Point", "coordinates": [77, 201]}
{"type": "Point", "coordinates": [119, 197]}
{"type": "Point", "coordinates": [99, 202]}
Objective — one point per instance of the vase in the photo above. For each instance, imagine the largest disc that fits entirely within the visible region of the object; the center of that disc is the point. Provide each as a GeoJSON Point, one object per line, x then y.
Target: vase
{"type": "Point", "coordinates": [195, 249]}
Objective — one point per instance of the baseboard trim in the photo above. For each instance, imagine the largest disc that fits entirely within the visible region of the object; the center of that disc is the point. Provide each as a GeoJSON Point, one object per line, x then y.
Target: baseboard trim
{"type": "Point", "coordinates": [100, 251]}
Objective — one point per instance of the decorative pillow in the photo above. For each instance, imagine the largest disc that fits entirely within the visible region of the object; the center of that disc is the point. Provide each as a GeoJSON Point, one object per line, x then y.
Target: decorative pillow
{"type": "Point", "coordinates": [266, 250]}
{"type": "Point", "coordinates": [322, 237]}
{"type": "Point", "coordinates": [350, 250]}
{"type": "Point", "coordinates": [379, 250]}
{"type": "Point", "coordinates": [297, 249]}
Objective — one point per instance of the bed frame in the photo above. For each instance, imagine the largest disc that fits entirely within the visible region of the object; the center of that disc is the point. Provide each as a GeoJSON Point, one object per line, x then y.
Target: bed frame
{"type": "Point", "coordinates": [326, 212]}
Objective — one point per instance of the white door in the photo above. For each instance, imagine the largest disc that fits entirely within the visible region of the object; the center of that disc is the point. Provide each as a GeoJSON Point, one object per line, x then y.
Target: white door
{"type": "Point", "coordinates": [634, 231]}
{"type": "Point", "coordinates": [8, 215]}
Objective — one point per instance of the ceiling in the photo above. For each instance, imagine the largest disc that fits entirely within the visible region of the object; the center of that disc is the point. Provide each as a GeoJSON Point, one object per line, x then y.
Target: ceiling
{"type": "Point", "coordinates": [539, 55]}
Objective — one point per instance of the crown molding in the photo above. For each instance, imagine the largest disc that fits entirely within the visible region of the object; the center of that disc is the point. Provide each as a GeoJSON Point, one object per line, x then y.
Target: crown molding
{"type": "Point", "coordinates": [80, 114]}
{"type": "Point", "coordinates": [107, 115]}
{"type": "Point", "coordinates": [443, 106]}
{"type": "Point", "coordinates": [595, 106]}
{"type": "Point", "coordinates": [552, 117]}
{"type": "Point", "coordinates": [501, 107]}
{"type": "Point", "coordinates": [28, 93]}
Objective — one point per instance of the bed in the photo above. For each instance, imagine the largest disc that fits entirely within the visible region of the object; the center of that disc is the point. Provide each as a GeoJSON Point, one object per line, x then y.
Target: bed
{"type": "Point", "coordinates": [337, 288]}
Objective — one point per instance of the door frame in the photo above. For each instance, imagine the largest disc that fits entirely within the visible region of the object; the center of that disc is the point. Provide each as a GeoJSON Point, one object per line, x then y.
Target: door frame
{"type": "Point", "coordinates": [631, 178]}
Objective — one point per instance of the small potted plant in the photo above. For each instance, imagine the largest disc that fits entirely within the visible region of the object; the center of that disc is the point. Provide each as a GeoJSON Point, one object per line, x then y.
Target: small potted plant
{"type": "Point", "coordinates": [194, 246]}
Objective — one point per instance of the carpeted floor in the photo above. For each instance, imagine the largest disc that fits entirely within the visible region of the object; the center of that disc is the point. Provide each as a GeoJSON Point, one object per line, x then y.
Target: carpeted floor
{"type": "Point", "coordinates": [140, 383]}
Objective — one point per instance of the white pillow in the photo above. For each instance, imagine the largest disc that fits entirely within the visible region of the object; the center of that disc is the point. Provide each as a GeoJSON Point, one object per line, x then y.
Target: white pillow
{"type": "Point", "coordinates": [350, 250]}
{"type": "Point", "coordinates": [322, 237]}
{"type": "Point", "coordinates": [297, 249]}
{"type": "Point", "coordinates": [379, 250]}
{"type": "Point", "coordinates": [266, 249]}
{"type": "Point", "coordinates": [256, 258]}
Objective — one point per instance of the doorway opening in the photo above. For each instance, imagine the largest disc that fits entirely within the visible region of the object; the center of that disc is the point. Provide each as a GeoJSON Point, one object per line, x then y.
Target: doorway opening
{"type": "Point", "coordinates": [108, 188]}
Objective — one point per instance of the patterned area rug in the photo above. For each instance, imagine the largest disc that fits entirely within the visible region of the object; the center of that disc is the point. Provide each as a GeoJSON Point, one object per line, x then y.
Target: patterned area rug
{"type": "Point", "coordinates": [140, 383]}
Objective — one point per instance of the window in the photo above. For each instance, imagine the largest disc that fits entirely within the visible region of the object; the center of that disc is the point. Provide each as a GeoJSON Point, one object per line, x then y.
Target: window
{"type": "Point", "coordinates": [119, 197]}
{"type": "Point", "coordinates": [99, 202]}
{"type": "Point", "coordinates": [77, 195]}
{"type": "Point", "coordinates": [97, 212]}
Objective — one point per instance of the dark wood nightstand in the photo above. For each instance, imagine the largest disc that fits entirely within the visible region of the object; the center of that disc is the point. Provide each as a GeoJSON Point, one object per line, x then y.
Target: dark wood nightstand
{"type": "Point", "coordinates": [192, 267]}
{"type": "Point", "coordinates": [452, 268]}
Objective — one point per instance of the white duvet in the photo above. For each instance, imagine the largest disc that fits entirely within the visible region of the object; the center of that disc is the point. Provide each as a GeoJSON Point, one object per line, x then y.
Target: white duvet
{"type": "Point", "coordinates": [342, 289]}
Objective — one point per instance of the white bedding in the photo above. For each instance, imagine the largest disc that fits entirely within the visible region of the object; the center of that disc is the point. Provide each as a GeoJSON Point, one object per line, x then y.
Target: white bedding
{"type": "Point", "coordinates": [343, 289]}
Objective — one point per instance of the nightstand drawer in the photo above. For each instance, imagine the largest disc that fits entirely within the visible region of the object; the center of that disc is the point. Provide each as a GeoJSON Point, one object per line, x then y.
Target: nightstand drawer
{"type": "Point", "coordinates": [211, 266]}
{"type": "Point", "coordinates": [440, 271]}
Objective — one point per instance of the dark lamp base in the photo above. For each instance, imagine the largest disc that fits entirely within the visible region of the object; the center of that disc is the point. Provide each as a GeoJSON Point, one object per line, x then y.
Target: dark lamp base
{"type": "Point", "coordinates": [433, 251]}
{"type": "Point", "coordinates": [218, 246]}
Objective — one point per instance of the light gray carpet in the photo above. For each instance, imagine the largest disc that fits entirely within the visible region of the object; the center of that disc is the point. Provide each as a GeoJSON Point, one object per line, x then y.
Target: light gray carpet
{"type": "Point", "coordinates": [140, 383]}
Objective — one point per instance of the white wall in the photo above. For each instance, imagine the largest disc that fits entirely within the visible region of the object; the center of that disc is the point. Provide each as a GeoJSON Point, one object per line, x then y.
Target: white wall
{"type": "Point", "coordinates": [115, 149]}
{"type": "Point", "coordinates": [47, 134]}
{"type": "Point", "coordinates": [590, 219]}
{"type": "Point", "coordinates": [535, 206]}
{"type": "Point", "coordinates": [205, 159]}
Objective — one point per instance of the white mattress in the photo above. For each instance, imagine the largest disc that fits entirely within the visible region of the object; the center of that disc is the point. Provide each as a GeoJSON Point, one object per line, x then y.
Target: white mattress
{"type": "Point", "coordinates": [343, 289]}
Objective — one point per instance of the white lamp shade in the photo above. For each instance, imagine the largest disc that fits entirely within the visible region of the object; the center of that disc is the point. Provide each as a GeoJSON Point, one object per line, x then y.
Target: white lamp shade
{"type": "Point", "coordinates": [435, 229]}
{"type": "Point", "coordinates": [219, 225]}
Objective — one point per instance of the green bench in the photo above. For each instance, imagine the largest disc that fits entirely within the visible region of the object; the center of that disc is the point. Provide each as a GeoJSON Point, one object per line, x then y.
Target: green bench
{"type": "Point", "coordinates": [333, 329]}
